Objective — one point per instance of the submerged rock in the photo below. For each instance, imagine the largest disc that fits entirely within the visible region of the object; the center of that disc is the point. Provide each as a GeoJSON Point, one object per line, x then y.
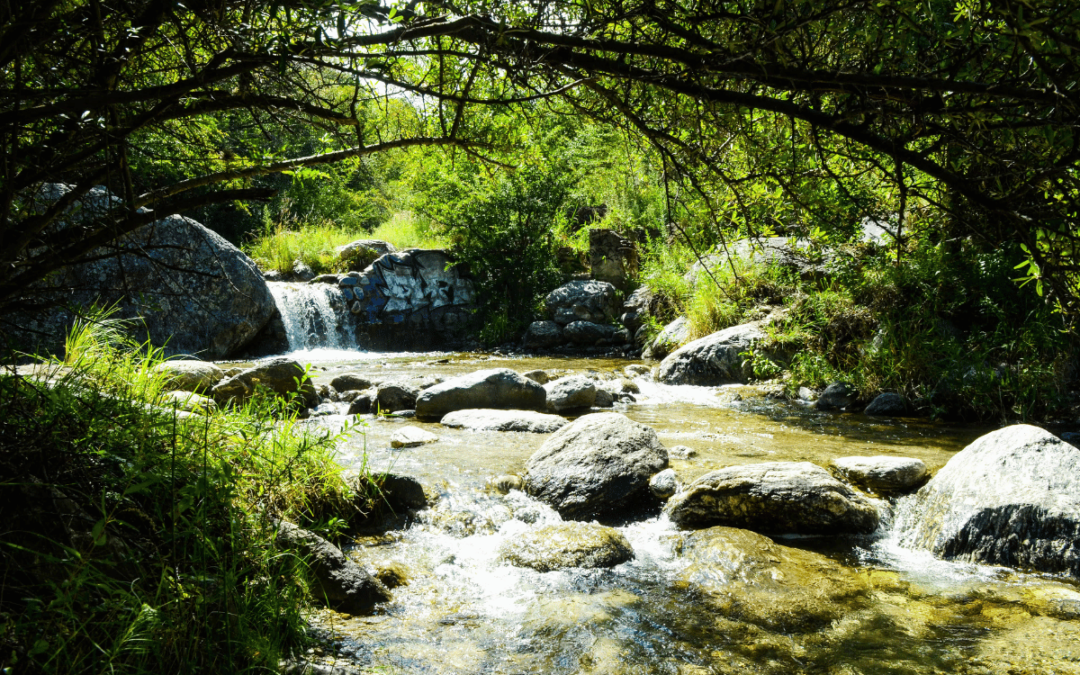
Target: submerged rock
{"type": "Point", "coordinates": [748, 577]}
{"type": "Point", "coordinates": [488, 419]}
{"type": "Point", "coordinates": [596, 465]}
{"type": "Point", "coordinates": [774, 497]}
{"type": "Point", "coordinates": [882, 474]}
{"type": "Point", "coordinates": [887, 405]}
{"type": "Point", "coordinates": [343, 584]}
{"type": "Point", "coordinates": [411, 437]}
{"type": "Point", "coordinates": [564, 545]}
{"type": "Point", "coordinates": [494, 388]}
{"type": "Point", "coordinates": [713, 359]}
{"type": "Point", "coordinates": [836, 396]}
{"type": "Point", "coordinates": [185, 375]}
{"type": "Point", "coordinates": [569, 393]}
{"type": "Point", "coordinates": [1010, 498]}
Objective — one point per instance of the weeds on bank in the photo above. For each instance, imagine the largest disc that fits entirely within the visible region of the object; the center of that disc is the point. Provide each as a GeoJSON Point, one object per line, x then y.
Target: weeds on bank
{"type": "Point", "coordinates": [947, 328]}
{"type": "Point", "coordinates": [280, 246]}
{"type": "Point", "coordinates": [138, 540]}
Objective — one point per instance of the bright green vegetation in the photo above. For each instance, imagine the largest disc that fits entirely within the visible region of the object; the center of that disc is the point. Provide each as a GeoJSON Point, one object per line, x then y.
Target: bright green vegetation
{"type": "Point", "coordinates": [139, 541]}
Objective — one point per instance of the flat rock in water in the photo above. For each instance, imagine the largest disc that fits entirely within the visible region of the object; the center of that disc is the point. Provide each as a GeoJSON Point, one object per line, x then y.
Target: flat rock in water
{"type": "Point", "coordinates": [186, 375]}
{"type": "Point", "coordinates": [411, 437]}
{"type": "Point", "coordinates": [596, 465]}
{"type": "Point", "coordinates": [351, 382]}
{"type": "Point", "coordinates": [494, 388]}
{"type": "Point", "coordinates": [564, 545]}
{"type": "Point", "coordinates": [773, 498]}
{"type": "Point", "coordinates": [569, 393]}
{"type": "Point", "coordinates": [747, 577]}
{"type": "Point", "coordinates": [342, 583]}
{"type": "Point", "coordinates": [882, 474]}
{"type": "Point", "coordinates": [282, 376]}
{"type": "Point", "coordinates": [490, 419]}
{"type": "Point", "coordinates": [714, 359]}
{"type": "Point", "coordinates": [1010, 498]}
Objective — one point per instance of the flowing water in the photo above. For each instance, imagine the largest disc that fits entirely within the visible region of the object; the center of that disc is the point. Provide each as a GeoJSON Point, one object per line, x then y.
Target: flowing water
{"type": "Point", "coordinates": [312, 314]}
{"type": "Point", "coordinates": [733, 603]}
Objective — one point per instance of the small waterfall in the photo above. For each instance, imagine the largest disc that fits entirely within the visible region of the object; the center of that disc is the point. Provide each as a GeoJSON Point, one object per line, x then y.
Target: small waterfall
{"type": "Point", "coordinates": [313, 315]}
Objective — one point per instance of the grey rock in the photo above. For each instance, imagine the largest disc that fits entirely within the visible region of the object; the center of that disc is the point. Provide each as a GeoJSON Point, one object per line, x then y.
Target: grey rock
{"type": "Point", "coordinates": [681, 452]}
{"type": "Point", "coordinates": [504, 420]}
{"type": "Point", "coordinates": [570, 393]}
{"type": "Point", "coordinates": [186, 288]}
{"type": "Point", "coordinates": [612, 257]}
{"type": "Point", "coordinates": [670, 338]}
{"type": "Point", "coordinates": [342, 583]}
{"type": "Point", "coordinates": [411, 437]}
{"type": "Point", "coordinates": [326, 279]}
{"type": "Point", "coordinates": [836, 396]}
{"type": "Point", "coordinates": [190, 401]}
{"type": "Point", "coordinates": [714, 359]}
{"type": "Point", "coordinates": [665, 484]}
{"type": "Point", "coordinates": [494, 388]}
{"type": "Point", "coordinates": [359, 254]}
{"type": "Point", "coordinates": [887, 405]}
{"type": "Point", "coordinates": [538, 376]}
{"type": "Point", "coordinates": [604, 398]}
{"type": "Point", "coordinates": [587, 333]}
{"type": "Point", "coordinates": [566, 545]}
{"type": "Point", "coordinates": [1010, 498]}
{"type": "Point", "coordinates": [637, 370]}
{"type": "Point", "coordinates": [281, 376]}
{"type": "Point", "coordinates": [593, 301]}
{"type": "Point", "coordinates": [393, 397]}
{"type": "Point", "coordinates": [351, 381]}
{"type": "Point", "coordinates": [394, 491]}
{"type": "Point", "coordinates": [361, 403]}
{"type": "Point", "coordinates": [599, 464]}
{"type": "Point", "coordinates": [542, 334]}
{"type": "Point", "coordinates": [882, 474]}
{"type": "Point", "coordinates": [773, 497]}
{"type": "Point", "coordinates": [190, 375]}
{"type": "Point", "coordinates": [302, 271]}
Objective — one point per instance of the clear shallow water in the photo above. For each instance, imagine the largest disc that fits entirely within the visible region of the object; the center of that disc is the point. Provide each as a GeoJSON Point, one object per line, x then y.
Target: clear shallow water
{"type": "Point", "coordinates": [813, 605]}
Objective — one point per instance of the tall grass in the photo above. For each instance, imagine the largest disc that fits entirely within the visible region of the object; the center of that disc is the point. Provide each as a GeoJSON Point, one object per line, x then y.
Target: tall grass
{"type": "Point", "coordinates": [315, 244]}
{"type": "Point", "coordinates": [142, 541]}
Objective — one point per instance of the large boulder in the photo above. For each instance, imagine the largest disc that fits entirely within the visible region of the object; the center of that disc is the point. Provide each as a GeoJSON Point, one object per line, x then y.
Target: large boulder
{"type": "Point", "coordinates": [570, 393]}
{"type": "Point", "coordinates": [494, 388]}
{"type": "Point", "coordinates": [888, 404]}
{"type": "Point", "coordinates": [187, 375]}
{"type": "Point", "coordinates": [359, 254]}
{"type": "Point", "coordinates": [597, 465]}
{"type": "Point", "coordinates": [593, 301]}
{"type": "Point", "coordinates": [669, 339]}
{"type": "Point", "coordinates": [394, 396]}
{"type": "Point", "coordinates": [713, 359]}
{"type": "Point", "coordinates": [587, 333]}
{"type": "Point", "coordinates": [343, 584]}
{"type": "Point", "coordinates": [773, 498]}
{"type": "Point", "coordinates": [282, 376]}
{"type": "Point", "coordinates": [1010, 498]}
{"type": "Point", "coordinates": [186, 288]}
{"type": "Point", "coordinates": [542, 334]}
{"type": "Point", "coordinates": [564, 545]}
{"type": "Point", "coordinates": [487, 419]}
{"type": "Point", "coordinates": [882, 474]}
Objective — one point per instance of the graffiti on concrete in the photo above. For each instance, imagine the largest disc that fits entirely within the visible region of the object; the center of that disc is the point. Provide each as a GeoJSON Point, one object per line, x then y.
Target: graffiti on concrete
{"type": "Point", "coordinates": [399, 285]}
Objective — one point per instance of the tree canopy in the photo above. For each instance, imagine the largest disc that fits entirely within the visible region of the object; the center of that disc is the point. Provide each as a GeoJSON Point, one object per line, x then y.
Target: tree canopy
{"type": "Point", "coordinates": [966, 110]}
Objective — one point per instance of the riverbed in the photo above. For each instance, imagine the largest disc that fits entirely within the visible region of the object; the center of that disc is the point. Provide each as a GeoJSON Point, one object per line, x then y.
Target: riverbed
{"type": "Point", "coordinates": [855, 605]}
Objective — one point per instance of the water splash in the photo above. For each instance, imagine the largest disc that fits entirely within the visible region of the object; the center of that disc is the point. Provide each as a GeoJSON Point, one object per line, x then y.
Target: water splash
{"type": "Point", "coordinates": [313, 315]}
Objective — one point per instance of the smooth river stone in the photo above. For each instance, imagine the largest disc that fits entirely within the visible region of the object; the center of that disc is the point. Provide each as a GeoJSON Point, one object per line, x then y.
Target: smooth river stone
{"type": "Point", "coordinates": [565, 545]}
{"type": "Point", "coordinates": [411, 437]}
{"type": "Point", "coordinates": [882, 474]}
{"type": "Point", "coordinates": [492, 419]}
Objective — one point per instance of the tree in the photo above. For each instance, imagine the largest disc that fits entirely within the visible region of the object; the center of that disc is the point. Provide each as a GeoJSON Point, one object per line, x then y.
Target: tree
{"type": "Point", "coordinates": [968, 108]}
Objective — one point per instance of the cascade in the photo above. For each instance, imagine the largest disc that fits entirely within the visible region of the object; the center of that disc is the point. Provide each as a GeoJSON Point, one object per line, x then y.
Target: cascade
{"type": "Point", "coordinates": [313, 315]}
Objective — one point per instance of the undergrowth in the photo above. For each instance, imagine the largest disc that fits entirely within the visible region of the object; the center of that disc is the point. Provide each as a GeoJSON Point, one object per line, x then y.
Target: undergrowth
{"type": "Point", "coordinates": [947, 327]}
{"type": "Point", "coordinates": [138, 540]}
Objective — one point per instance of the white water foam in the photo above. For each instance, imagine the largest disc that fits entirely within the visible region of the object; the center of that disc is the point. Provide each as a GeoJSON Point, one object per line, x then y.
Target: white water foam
{"type": "Point", "coordinates": [311, 320]}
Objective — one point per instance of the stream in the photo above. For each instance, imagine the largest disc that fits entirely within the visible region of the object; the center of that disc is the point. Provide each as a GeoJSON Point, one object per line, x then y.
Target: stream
{"type": "Point", "coordinates": [737, 603]}
{"type": "Point", "coordinates": [840, 605]}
